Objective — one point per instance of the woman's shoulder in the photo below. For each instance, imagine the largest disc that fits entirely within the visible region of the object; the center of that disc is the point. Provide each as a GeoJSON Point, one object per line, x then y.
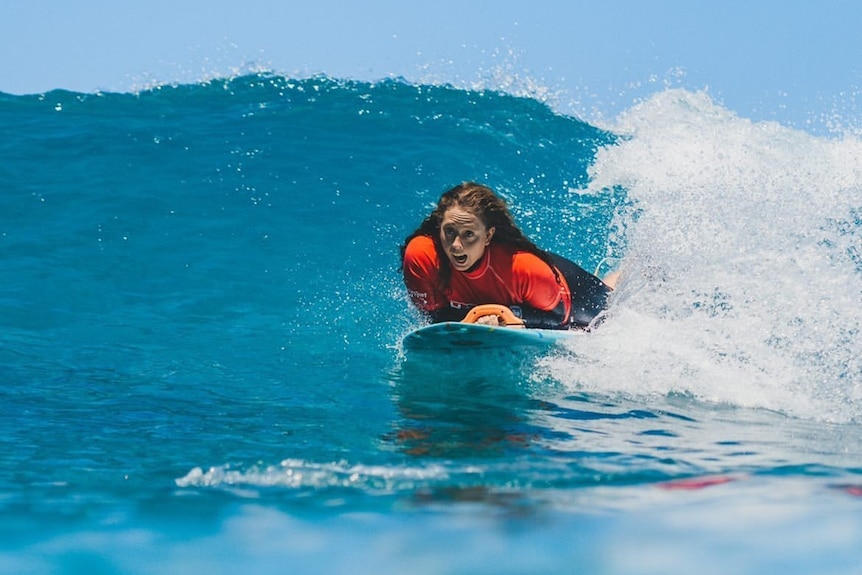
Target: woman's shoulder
{"type": "Point", "coordinates": [515, 253]}
{"type": "Point", "coordinates": [419, 244]}
{"type": "Point", "coordinates": [526, 261]}
{"type": "Point", "coordinates": [420, 248]}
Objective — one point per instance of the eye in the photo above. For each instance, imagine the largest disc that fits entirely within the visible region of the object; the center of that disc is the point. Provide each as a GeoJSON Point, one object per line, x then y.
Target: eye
{"type": "Point", "coordinates": [469, 235]}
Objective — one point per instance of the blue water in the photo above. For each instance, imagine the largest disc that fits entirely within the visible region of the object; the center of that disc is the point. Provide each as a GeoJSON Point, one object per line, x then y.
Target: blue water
{"type": "Point", "coordinates": [201, 314]}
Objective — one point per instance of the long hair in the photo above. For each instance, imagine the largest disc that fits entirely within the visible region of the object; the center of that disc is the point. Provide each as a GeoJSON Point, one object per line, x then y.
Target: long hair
{"type": "Point", "coordinates": [490, 209]}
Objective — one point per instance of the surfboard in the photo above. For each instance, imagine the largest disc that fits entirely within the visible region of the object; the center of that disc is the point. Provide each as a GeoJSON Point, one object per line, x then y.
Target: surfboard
{"type": "Point", "coordinates": [466, 336]}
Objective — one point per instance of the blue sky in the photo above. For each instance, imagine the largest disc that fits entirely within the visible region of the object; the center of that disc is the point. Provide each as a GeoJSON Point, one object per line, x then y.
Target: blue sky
{"type": "Point", "coordinates": [788, 60]}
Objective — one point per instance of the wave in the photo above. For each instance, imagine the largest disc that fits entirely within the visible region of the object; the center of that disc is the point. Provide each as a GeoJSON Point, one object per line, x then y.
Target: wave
{"type": "Point", "coordinates": [743, 262]}
{"type": "Point", "coordinates": [739, 241]}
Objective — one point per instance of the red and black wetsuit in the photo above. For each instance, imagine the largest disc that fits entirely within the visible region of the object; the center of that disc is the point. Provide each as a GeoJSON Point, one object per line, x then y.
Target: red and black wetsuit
{"type": "Point", "coordinates": [504, 275]}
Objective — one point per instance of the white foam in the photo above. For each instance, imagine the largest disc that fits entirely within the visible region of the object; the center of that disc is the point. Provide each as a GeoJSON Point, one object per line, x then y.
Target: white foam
{"type": "Point", "coordinates": [742, 267]}
{"type": "Point", "coordinates": [297, 473]}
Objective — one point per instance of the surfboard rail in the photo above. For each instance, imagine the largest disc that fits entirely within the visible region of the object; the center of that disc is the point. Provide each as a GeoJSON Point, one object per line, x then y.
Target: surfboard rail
{"type": "Point", "coordinates": [466, 336]}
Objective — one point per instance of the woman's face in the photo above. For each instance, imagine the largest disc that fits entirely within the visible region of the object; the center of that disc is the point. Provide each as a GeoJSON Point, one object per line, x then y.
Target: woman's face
{"type": "Point", "coordinates": [464, 237]}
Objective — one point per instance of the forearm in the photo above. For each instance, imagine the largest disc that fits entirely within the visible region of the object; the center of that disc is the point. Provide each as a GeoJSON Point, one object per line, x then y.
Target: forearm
{"type": "Point", "coordinates": [445, 314]}
{"type": "Point", "coordinates": [533, 318]}
{"type": "Point", "coordinates": [542, 319]}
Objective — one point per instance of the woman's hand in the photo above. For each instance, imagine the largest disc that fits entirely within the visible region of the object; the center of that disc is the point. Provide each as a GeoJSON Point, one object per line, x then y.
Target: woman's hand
{"type": "Point", "coordinates": [494, 320]}
{"type": "Point", "coordinates": [493, 315]}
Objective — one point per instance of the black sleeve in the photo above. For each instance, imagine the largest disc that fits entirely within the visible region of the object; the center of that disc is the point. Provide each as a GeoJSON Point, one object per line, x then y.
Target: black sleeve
{"type": "Point", "coordinates": [537, 318]}
{"type": "Point", "coordinates": [446, 314]}
{"type": "Point", "coordinates": [589, 293]}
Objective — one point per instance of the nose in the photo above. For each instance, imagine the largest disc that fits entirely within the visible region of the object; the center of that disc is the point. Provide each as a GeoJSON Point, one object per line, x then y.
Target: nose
{"type": "Point", "coordinates": [456, 243]}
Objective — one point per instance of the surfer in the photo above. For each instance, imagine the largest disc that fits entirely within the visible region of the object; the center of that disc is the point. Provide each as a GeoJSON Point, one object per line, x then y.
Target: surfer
{"type": "Point", "coordinates": [469, 252]}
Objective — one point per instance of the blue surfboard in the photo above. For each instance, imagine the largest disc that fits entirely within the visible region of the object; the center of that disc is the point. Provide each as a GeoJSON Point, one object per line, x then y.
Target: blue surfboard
{"type": "Point", "coordinates": [466, 336]}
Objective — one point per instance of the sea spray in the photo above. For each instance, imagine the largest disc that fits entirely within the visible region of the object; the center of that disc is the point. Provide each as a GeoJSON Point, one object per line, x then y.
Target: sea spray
{"type": "Point", "coordinates": [742, 280]}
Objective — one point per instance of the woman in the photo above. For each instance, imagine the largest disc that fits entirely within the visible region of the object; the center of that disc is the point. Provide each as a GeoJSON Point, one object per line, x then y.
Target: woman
{"type": "Point", "coordinates": [469, 252]}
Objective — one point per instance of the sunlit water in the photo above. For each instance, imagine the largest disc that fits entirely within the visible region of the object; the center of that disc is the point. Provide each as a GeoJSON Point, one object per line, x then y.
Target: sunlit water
{"type": "Point", "coordinates": [201, 316]}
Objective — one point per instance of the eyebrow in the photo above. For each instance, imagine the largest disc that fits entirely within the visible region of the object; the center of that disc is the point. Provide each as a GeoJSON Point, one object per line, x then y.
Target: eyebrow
{"type": "Point", "coordinates": [475, 223]}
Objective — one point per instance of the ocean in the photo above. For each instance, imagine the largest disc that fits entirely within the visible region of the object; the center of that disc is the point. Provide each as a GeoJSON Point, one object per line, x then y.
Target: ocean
{"type": "Point", "coordinates": [201, 318]}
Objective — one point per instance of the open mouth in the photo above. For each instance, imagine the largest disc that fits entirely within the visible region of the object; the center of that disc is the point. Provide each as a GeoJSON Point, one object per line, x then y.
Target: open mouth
{"type": "Point", "coordinates": [460, 259]}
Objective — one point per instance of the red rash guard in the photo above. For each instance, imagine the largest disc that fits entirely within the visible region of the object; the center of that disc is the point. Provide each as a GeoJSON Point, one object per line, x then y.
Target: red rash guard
{"type": "Point", "coordinates": [504, 275]}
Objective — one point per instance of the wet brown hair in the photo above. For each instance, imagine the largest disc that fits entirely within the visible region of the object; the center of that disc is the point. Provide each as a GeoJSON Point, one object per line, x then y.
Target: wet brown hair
{"type": "Point", "coordinates": [491, 209]}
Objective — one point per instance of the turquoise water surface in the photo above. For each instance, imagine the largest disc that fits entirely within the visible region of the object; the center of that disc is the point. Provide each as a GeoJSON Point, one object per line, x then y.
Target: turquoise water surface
{"type": "Point", "coordinates": [201, 315]}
